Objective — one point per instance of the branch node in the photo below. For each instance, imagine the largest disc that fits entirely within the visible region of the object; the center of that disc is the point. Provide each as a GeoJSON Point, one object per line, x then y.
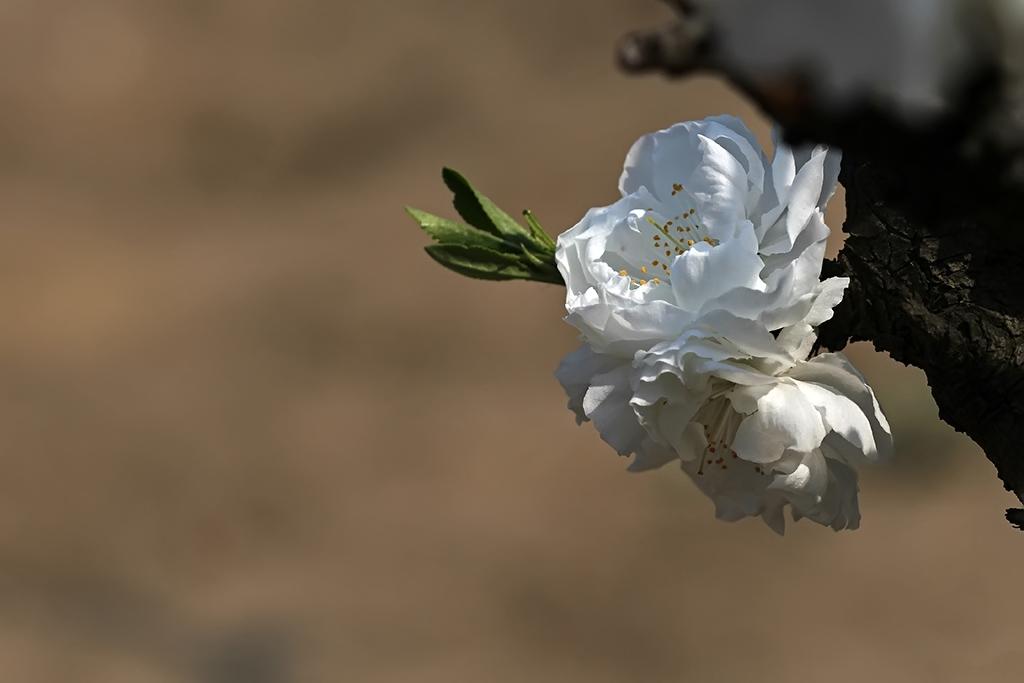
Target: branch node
{"type": "Point", "coordinates": [674, 50]}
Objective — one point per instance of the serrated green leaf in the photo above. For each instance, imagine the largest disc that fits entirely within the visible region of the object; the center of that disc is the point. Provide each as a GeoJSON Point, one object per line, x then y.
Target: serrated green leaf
{"type": "Point", "coordinates": [451, 232]}
{"type": "Point", "coordinates": [479, 211]}
{"type": "Point", "coordinates": [478, 262]}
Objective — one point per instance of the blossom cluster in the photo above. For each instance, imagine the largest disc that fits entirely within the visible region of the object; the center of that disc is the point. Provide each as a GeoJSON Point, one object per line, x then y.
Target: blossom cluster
{"type": "Point", "coordinates": [697, 295]}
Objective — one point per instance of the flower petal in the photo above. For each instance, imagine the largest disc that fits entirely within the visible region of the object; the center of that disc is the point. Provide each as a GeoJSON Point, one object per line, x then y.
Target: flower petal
{"type": "Point", "coordinates": [658, 160]}
{"type": "Point", "coordinates": [839, 507]}
{"type": "Point", "coordinates": [841, 415]}
{"type": "Point", "coordinates": [829, 295]}
{"type": "Point", "coordinates": [790, 282]}
{"type": "Point", "coordinates": [834, 372]}
{"type": "Point", "coordinates": [803, 180]}
{"type": "Point", "coordinates": [784, 420]}
{"type": "Point", "coordinates": [666, 407]}
{"type": "Point", "coordinates": [651, 456]}
{"type": "Point", "coordinates": [576, 371]}
{"type": "Point", "coordinates": [606, 404]}
{"type": "Point", "coordinates": [747, 336]}
{"type": "Point", "coordinates": [705, 272]}
{"type": "Point", "coordinates": [803, 477]}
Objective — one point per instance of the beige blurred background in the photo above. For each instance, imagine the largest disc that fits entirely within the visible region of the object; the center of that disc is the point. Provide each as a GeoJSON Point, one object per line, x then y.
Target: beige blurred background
{"type": "Point", "coordinates": [249, 433]}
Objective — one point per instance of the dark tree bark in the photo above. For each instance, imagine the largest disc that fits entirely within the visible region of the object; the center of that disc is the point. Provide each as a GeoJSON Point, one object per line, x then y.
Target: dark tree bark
{"type": "Point", "coordinates": [933, 169]}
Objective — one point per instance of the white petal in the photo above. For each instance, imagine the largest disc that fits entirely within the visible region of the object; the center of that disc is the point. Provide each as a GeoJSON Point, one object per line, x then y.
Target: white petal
{"type": "Point", "coordinates": [598, 387]}
{"type": "Point", "coordinates": [606, 403]}
{"type": "Point", "coordinates": [839, 508]}
{"type": "Point", "coordinates": [829, 295]}
{"type": "Point", "coordinates": [803, 256]}
{"type": "Point", "coordinates": [790, 283]}
{"type": "Point", "coordinates": [747, 336]}
{"type": "Point", "coordinates": [612, 315]}
{"type": "Point", "coordinates": [744, 398]}
{"type": "Point", "coordinates": [650, 456]}
{"type": "Point", "coordinates": [783, 167]}
{"type": "Point", "coordinates": [735, 372]}
{"type": "Point", "coordinates": [843, 490]}
{"type": "Point", "coordinates": [666, 407]}
{"type": "Point", "coordinates": [841, 415]}
{"type": "Point", "coordinates": [721, 188]}
{"type": "Point", "coordinates": [576, 371]}
{"type": "Point", "coordinates": [801, 199]}
{"type": "Point", "coordinates": [831, 167]}
{"type": "Point", "coordinates": [775, 519]}
{"type": "Point", "coordinates": [715, 347]}
{"type": "Point", "coordinates": [834, 371]}
{"type": "Point", "coordinates": [705, 272]}
{"type": "Point", "coordinates": [658, 160]}
{"type": "Point", "coordinates": [798, 341]}
{"type": "Point", "coordinates": [784, 420]}
{"type": "Point", "coordinates": [734, 506]}
{"type": "Point", "coordinates": [738, 490]}
{"type": "Point", "coordinates": [581, 249]}
{"type": "Point", "coordinates": [804, 479]}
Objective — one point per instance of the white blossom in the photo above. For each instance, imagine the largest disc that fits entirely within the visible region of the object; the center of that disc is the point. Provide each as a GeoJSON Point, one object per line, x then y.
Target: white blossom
{"type": "Point", "coordinates": [755, 426]}
{"type": "Point", "coordinates": [705, 223]}
{"type": "Point", "coordinates": [697, 295]}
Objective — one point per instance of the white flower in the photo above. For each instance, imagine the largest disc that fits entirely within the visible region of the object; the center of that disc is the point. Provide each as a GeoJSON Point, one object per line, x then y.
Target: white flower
{"type": "Point", "coordinates": [705, 223]}
{"type": "Point", "coordinates": [697, 295]}
{"type": "Point", "coordinates": [752, 423]}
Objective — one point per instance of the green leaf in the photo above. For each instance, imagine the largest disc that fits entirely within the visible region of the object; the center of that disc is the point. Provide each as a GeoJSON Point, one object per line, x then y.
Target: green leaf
{"type": "Point", "coordinates": [479, 211]}
{"type": "Point", "coordinates": [549, 274]}
{"type": "Point", "coordinates": [478, 262]}
{"type": "Point", "coordinates": [539, 234]}
{"type": "Point", "coordinates": [532, 259]}
{"type": "Point", "coordinates": [451, 232]}
{"type": "Point", "coordinates": [542, 269]}
{"type": "Point", "coordinates": [494, 246]}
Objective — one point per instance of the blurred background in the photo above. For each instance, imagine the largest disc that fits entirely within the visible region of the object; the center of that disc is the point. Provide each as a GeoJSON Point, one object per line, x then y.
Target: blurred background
{"type": "Point", "coordinates": [250, 433]}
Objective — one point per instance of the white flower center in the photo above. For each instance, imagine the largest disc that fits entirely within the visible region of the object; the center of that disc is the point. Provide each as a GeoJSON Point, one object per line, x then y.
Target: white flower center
{"type": "Point", "coordinates": [669, 239]}
{"type": "Point", "coordinates": [720, 422]}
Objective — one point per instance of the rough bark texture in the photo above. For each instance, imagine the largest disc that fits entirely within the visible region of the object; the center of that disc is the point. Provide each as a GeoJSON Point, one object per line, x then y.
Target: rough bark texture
{"type": "Point", "coordinates": [935, 193]}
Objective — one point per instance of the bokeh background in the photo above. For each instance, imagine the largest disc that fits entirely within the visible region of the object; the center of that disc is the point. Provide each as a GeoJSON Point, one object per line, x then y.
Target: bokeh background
{"type": "Point", "coordinates": [249, 433]}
